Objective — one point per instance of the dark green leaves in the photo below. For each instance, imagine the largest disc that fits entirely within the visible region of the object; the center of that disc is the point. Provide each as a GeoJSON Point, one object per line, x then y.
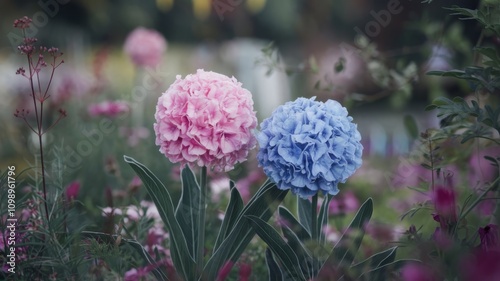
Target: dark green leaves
{"type": "Point", "coordinates": [344, 251]}
{"type": "Point", "coordinates": [181, 257]}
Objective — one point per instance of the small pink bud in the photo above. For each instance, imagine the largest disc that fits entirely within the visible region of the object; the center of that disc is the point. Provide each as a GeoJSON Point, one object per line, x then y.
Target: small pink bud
{"type": "Point", "coordinates": [72, 190]}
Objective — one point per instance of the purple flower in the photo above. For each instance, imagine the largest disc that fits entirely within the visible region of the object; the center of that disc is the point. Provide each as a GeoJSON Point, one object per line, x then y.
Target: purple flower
{"type": "Point", "coordinates": [489, 236]}
{"type": "Point", "coordinates": [309, 146]}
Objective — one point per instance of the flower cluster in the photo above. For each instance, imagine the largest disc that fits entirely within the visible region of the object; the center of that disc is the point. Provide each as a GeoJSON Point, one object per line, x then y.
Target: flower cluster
{"type": "Point", "coordinates": [206, 118]}
{"type": "Point", "coordinates": [309, 146]}
{"type": "Point", "coordinates": [108, 108]}
{"type": "Point", "coordinates": [145, 47]}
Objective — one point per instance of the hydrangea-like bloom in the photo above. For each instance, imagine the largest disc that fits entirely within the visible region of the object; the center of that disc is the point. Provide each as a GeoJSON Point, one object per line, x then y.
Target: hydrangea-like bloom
{"type": "Point", "coordinates": [206, 118]}
{"type": "Point", "coordinates": [145, 47]}
{"type": "Point", "coordinates": [307, 146]}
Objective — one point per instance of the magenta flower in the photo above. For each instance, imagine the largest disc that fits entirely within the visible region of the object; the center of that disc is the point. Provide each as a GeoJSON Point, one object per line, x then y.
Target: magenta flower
{"type": "Point", "coordinates": [72, 190]}
{"type": "Point", "coordinates": [418, 272]}
{"type": "Point", "coordinates": [489, 236]}
{"type": "Point", "coordinates": [224, 271]}
{"type": "Point", "coordinates": [244, 272]}
{"type": "Point", "coordinates": [444, 199]}
{"type": "Point", "coordinates": [206, 118]}
{"type": "Point", "coordinates": [145, 47]}
{"type": "Point", "coordinates": [108, 108]}
{"type": "Point", "coordinates": [481, 266]}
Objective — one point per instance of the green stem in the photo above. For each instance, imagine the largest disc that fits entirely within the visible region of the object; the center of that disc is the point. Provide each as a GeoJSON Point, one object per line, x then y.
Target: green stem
{"type": "Point", "coordinates": [201, 221]}
{"type": "Point", "coordinates": [314, 217]}
{"type": "Point", "coordinates": [478, 199]}
{"type": "Point", "coordinates": [314, 228]}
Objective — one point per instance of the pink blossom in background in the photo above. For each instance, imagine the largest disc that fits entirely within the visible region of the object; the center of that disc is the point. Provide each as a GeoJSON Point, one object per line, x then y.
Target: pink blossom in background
{"type": "Point", "coordinates": [145, 47]}
{"type": "Point", "coordinates": [244, 185]}
{"type": "Point", "coordinates": [134, 135]}
{"type": "Point", "coordinates": [480, 170]}
{"type": "Point", "coordinates": [219, 186]}
{"type": "Point", "coordinates": [224, 271]}
{"type": "Point", "coordinates": [206, 119]}
{"type": "Point", "coordinates": [481, 266]}
{"type": "Point", "coordinates": [413, 174]}
{"type": "Point", "coordinates": [345, 202]}
{"type": "Point", "coordinates": [72, 190]}
{"type": "Point", "coordinates": [244, 272]}
{"type": "Point", "coordinates": [418, 272]}
{"type": "Point", "coordinates": [108, 108]}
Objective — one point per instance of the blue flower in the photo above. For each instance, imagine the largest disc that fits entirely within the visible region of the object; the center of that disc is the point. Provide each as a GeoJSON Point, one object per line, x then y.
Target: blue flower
{"type": "Point", "coordinates": [309, 146]}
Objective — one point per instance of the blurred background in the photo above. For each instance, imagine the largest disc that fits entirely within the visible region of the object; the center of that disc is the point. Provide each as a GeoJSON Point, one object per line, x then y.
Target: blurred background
{"type": "Point", "coordinates": [370, 55]}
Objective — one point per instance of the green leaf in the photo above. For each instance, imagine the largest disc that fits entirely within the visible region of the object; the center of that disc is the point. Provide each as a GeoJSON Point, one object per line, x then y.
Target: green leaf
{"type": "Point", "coordinates": [411, 126]}
{"type": "Point", "coordinates": [233, 211]}
{"type": "Point", "coordinates": [274, 270]}
{"type": "Point", "coordinates": [295, 225]}
{"type": "Point", "coordinates": [278, 246]}
{"type": "Point", "coordinates": [377, 274]}
{"type": "Point", "coordinates": [262, 204]}
{"type": "Point", "coordinates": [183, 261]}
{"type": "Point", "coordinates": [323, 218]}
{"type": "Point", "coordinates": [186, 212]}
{"type": "Point", "coordinates": [344, 251]}
{"type": "Point", "coordinates": [305, 258]}
{"type": "Point", "coordinates": [304, 210]}
{"type": "Point", "coordinates": [377, 260]}
{"type": "Point", "coordinates": [157, 271]}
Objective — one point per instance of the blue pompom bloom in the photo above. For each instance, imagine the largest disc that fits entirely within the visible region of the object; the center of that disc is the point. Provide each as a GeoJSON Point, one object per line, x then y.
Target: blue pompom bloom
{"type": "Point", "coordinates": [308, 146]}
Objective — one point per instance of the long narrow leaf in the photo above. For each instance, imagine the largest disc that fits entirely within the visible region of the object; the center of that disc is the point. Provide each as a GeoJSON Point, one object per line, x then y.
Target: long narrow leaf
{"type": "Point", "coordinates": [233, 211]}
{"type": "Point", "coordinates": [304, 210]}
{"type": "Point", "coordinates": [344, 251]}
{"type": "Point", "coordinates": [274, 270]}
{"type": "Point", "coordinates": [305, 258]}
{"type": "Point", "coordinates": [323, 218]}
{"type": "Point", "coordinates": [262, 204]}
{"type": "Point", "coordinates": [186, 212]}
{"type": "Point", "coordinates": [294, 224]}
{"type": "Point", "coordinates": [379, 259]}
{"type": "Point", "coordinates": [278, 246]}
{"type": "Point", "coordinates": [181, 258]}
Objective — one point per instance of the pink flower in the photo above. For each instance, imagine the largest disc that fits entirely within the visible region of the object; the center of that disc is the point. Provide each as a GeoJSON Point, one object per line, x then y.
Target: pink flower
{"type": "Point", "coordinates": [343, 203]}
{"type": "Point", "coordinates": [244, 272]}
{"type": "Point", "coordinates": [418, 272]}
{"type": "Point", "coordinates": [444, 199]}
{"type": "Point", "coordinates": [224, 271]}
{"type": "Point", "coordinates": [72, 190]}
{"type": "Point", "coordinates": [134, 135]}
{"type": "Point", "coordinates": [108, 108]}
{"type": "Point", "coordinates": [489, 236]}
{"type": "Point", "coordinates": [145, 47]}
{"type": "Point", "coordinates": [206, 118]}
{"type": "Point", "coordinates": [481, 266]}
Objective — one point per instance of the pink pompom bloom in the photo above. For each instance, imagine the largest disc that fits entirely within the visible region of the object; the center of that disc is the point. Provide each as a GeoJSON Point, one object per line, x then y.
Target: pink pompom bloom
{"type": "Point", "coordinates": [206, 118]}
{"type": "Point", "coordinates": [108, 108]}
{"type": "Point", "coordinates": [145, 47]}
